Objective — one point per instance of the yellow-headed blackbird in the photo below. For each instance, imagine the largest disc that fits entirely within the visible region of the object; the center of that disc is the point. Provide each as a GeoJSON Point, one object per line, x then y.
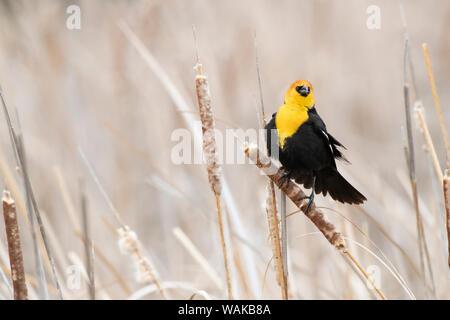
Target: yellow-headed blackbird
{"type": "Point", "coordinates": [306, 150]}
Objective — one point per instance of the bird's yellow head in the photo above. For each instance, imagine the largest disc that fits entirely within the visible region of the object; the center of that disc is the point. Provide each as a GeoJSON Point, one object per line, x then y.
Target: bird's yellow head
{"type": "Point", "coordinates": [301, 94]}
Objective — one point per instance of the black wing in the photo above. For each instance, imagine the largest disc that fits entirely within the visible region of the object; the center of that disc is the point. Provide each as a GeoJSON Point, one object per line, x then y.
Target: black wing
{"type": "Point", "coordinates": [321, 130]}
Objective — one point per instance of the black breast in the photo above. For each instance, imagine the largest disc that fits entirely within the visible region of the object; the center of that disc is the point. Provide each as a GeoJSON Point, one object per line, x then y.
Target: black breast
{"type": "Point", "coordinates": [306, 150]}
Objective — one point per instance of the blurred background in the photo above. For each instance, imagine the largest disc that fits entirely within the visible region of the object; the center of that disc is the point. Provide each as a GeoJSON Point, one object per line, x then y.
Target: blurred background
{"type": "Point", "coordinates": [90, 88]}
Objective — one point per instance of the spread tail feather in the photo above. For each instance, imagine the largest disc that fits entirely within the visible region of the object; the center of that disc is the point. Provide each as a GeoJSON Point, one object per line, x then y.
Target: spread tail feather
{"type": "Point", "coordinates": [330, 181]}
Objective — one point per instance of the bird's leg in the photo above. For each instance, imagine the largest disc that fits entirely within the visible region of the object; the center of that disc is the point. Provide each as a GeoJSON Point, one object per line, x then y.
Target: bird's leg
{"type": "Point", "coordinates": [310, 197]}
{"type": "Point", "coordinates": [285, 178]}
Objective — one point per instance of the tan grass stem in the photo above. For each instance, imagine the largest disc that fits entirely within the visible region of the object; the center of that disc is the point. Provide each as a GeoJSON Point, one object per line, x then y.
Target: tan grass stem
{"type": "Point", "coordinates": [426, 133]}
{"type": "Point", "coordinates": [436, 100]}
{"type": "Point", "coordinates": [224, 248]}
{"type": "Point", "coordinates": [89, 252]}
{"type": "Point", "coordinates": [14, 247]}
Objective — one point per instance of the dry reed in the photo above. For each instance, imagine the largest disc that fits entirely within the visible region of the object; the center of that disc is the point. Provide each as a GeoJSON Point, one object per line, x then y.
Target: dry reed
{"type": "Point", "coordinates": [426, 134]}
{"type": "Point", "coordinates": [88, 248]}
{"type": "Point", "coordinates": [436, 100]}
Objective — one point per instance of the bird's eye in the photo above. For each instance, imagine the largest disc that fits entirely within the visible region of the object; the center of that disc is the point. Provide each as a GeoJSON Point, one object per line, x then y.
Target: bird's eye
{"type": "Point", "coordinates": [297, 88]}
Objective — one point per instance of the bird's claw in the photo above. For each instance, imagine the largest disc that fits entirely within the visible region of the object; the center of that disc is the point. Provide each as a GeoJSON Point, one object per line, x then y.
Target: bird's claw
{"type": "Point", "coordinates": [310, 202]}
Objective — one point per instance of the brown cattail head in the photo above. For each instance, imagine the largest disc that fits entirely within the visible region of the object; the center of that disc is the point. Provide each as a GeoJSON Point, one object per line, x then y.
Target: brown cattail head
{"type": "Point", "coordinates": [14, 247]}
{"type": "Point", "coordinates": [209, 140]}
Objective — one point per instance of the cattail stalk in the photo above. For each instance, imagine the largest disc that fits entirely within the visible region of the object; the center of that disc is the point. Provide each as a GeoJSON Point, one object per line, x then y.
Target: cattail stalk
{"type": "Point", "coordinates": [446, 184]}
{"type": "Point", "coordinates": [294, 193]}
{"type": "Point", "coordinates": [211, 158]}
{"type": "Point", "coordinates": [436, 100]}
{"type": "Point", "coordinates": [274, 236]}
{"type": "Point", "coordinates": [279, 255]}
{"type": "Point", "coordinates": [14, 247]}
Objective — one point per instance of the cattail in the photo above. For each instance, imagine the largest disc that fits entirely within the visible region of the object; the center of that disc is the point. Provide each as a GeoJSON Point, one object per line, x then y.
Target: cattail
{"type": "Point", "coordinates": [129, 244]}
{"type": "Point", "coordinates": [209, 140]}
{"type": "Point", "coordinates": [294, 193]}
{"type": "Point", "coordinates": [14, 247]}
{"type": "Point", "coordinates": [447, 207]}
{"type": "Point", "coordinates": [211, 158]}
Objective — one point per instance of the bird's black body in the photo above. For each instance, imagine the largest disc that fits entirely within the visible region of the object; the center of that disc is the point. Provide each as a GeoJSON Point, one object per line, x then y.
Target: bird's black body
{"type": "Point", "coordinates": [311, 152]}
